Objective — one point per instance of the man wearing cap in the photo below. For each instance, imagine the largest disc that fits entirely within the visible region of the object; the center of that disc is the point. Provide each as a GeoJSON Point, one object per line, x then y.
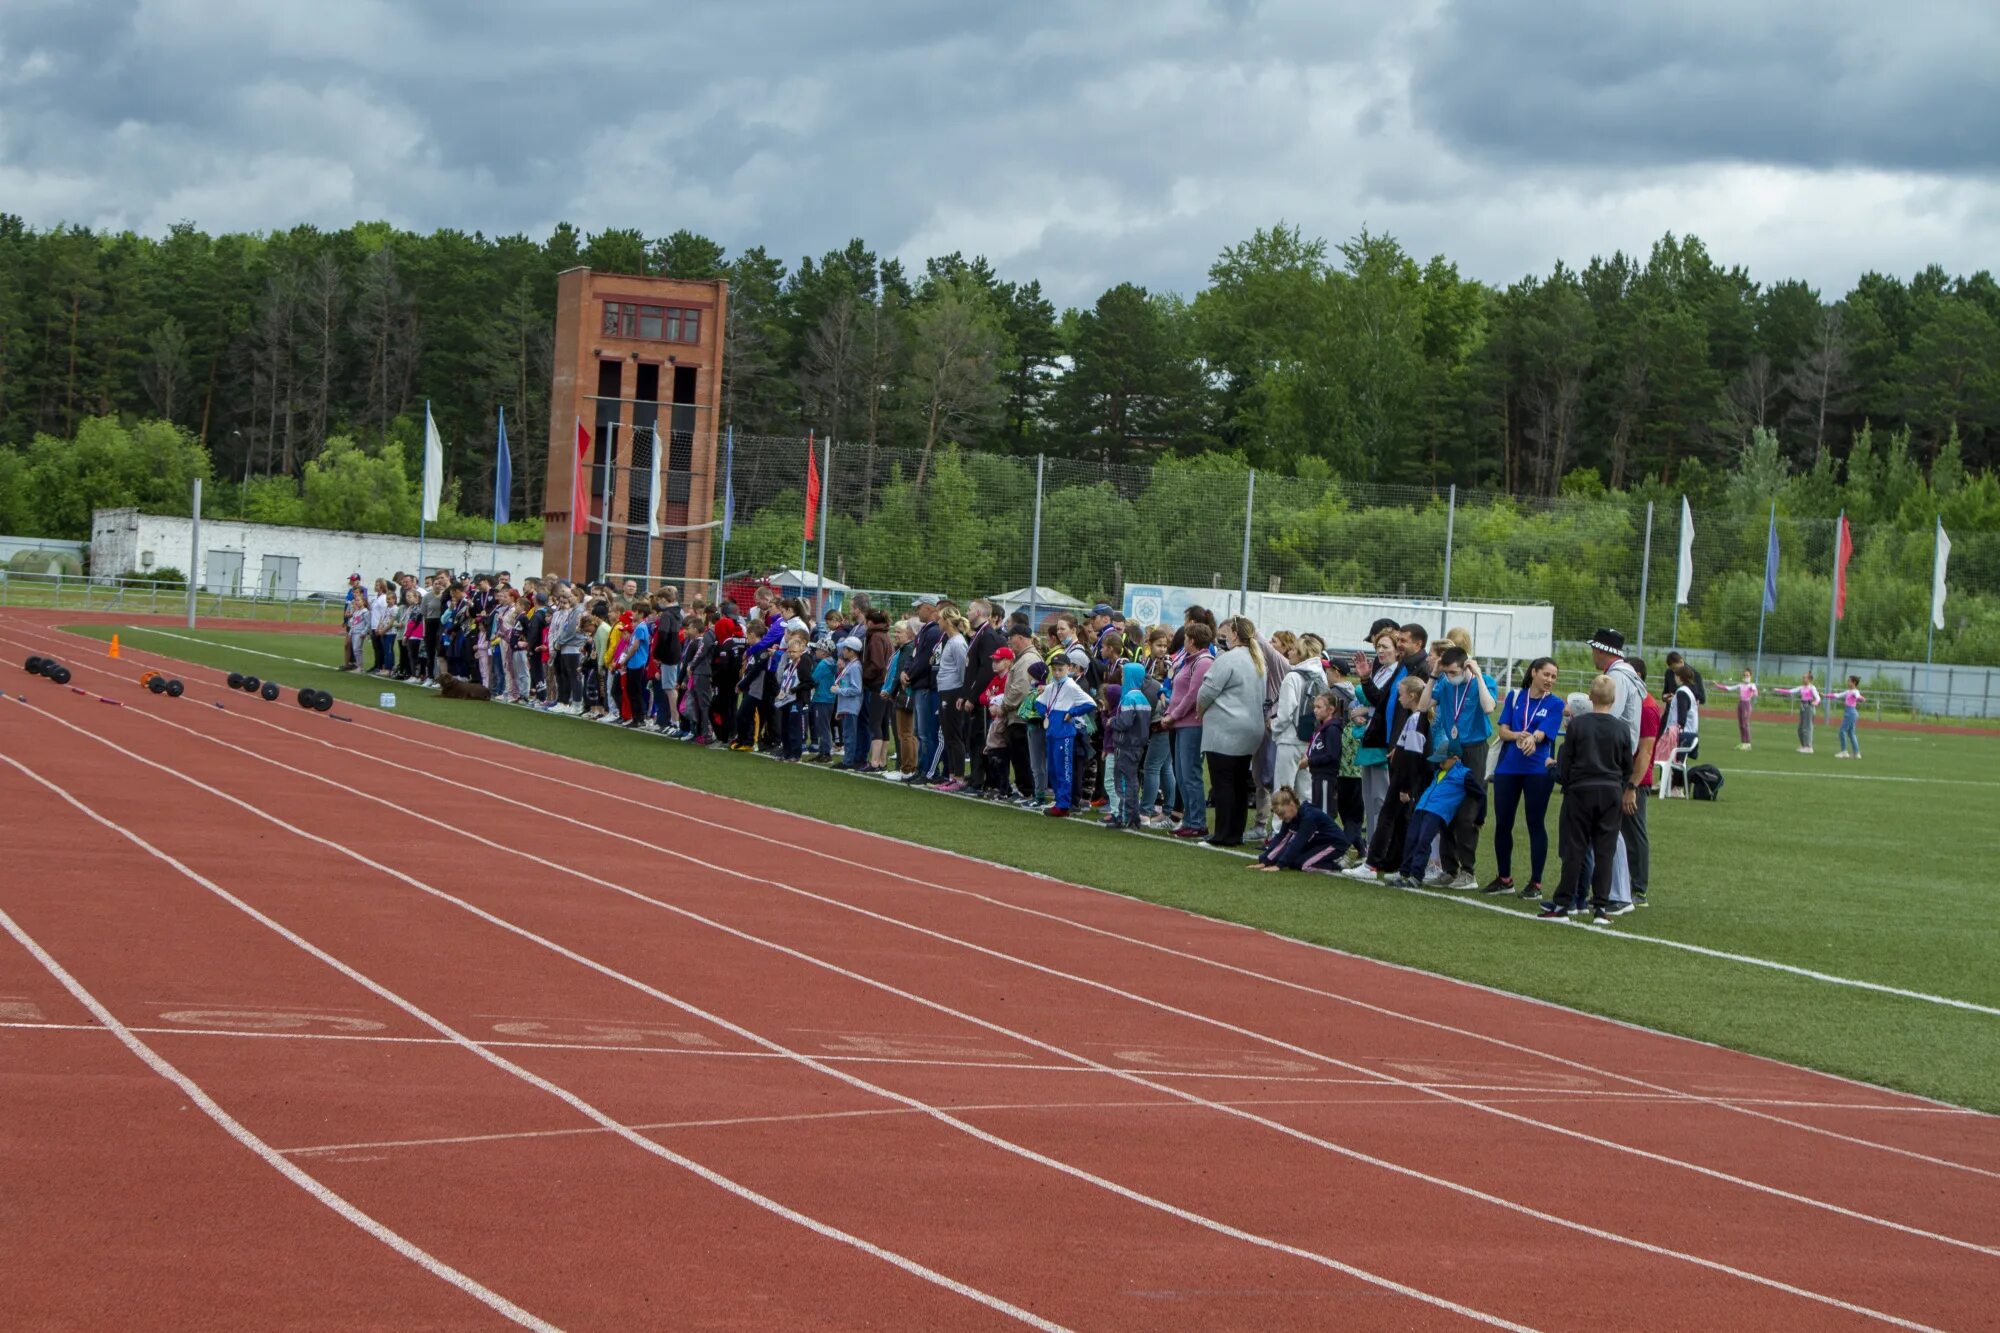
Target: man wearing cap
{"type": "Point", "coordinates": [921, 678]}
{"type": "Point", "coordinates": [1102, 621]}
{"type": "Point", "coordinates": [1607, 651]}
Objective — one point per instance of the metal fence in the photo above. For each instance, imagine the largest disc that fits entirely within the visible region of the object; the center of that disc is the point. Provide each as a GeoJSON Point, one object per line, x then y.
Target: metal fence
{"type": "Point", "coordinates": [76, 592]}
{"type": "Point", "coordinates": [968, 524]}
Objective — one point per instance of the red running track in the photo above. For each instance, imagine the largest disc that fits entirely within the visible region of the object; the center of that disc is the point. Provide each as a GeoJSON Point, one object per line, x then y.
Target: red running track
{"type": "Point", "coordinates": [488, 1034]}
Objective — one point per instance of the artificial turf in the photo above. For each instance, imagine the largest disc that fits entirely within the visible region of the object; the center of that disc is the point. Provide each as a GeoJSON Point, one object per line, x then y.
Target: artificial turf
{"type": "Point", "coordinates": [1881, 870]}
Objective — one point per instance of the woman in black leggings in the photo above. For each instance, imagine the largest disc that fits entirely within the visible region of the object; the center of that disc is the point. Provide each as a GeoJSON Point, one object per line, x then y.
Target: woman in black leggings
{"type": "Point", "coordinates": [1529, 721]}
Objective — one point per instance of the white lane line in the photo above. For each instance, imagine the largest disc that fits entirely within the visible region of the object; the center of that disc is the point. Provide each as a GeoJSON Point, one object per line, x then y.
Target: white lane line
{"type": "Point", "coordinates": [1030, 1154]}
{"type": "Point", "coordinates": [810, 849]}
{"type": "Point", "coordinates": [1484, 1106]}
{"type": "Point", "coordinates": [1861, 777]}
{"type": "Point", "coordinates": [944, 1117]}
{"type": "Point", "coordinates": [430, 1263]}
{"type": "Point", "coordinates": [438, 1025]}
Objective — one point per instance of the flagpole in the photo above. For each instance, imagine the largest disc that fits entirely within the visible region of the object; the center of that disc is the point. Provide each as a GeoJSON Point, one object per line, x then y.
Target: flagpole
{"type": "Point", "coordinates": [608, 444]}
{"type": "Point", "coordinates": [1763, 602]}
{"type": "Point", "coordinates": [423, 498]}
{"type": "Point", "coordinates": [1833, 609]}
{"type": "Point", "coordinates": [493, 560]}
{"type": "Point", "coordinates": [728, 503]}
{"type": "Point", "coordinates": [819, 574]}
{"type": "Point", "coordinates": [802, 526]}
{"type": "Point", "coordinates": [1930, 621]}
{"type": "Point", "coordinates": [575, 467]}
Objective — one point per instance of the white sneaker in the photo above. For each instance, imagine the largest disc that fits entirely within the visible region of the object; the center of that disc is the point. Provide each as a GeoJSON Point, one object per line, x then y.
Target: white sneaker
{"type": "Point", "coordinates": [1463, 880]}
{"type": "Point", "coordinates": [1362, 873]}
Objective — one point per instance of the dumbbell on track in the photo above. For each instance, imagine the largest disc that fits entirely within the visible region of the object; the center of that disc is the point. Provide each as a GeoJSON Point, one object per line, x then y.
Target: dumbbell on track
{"type": "Point", "coordinates": [47, 668]}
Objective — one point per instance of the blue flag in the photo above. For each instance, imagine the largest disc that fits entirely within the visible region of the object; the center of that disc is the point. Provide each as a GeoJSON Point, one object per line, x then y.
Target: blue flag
{"type": "Point", "coordinates": [503, 474]}
{"type": "Point", "coordinates": [1771, 566]}
{"type": "Point", "coordinates": [728, 480]}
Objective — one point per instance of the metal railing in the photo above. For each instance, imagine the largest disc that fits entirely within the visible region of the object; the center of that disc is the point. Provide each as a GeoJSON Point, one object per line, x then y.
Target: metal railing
{"type": "Point", "coordinates": [79, 592]}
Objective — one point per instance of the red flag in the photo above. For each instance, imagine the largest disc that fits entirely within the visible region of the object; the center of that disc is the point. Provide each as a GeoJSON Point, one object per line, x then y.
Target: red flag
{"type": "Point", "coordinates": [579, 509]}
{"type": "Point", "coordinates": [1846, 553]}
{"type": "Point", "coordinates": [812, 488]}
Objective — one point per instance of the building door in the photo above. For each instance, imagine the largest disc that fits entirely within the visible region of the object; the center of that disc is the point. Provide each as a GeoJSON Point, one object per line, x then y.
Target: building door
{"type": "Point", "coordinates": [223, 572]}
{"type": "Point", "coordinates": [280, 577]}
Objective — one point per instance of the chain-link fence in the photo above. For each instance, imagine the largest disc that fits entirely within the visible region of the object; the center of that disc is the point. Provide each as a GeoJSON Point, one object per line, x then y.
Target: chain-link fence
{"type": "Point", "coordinates": [899, 522]}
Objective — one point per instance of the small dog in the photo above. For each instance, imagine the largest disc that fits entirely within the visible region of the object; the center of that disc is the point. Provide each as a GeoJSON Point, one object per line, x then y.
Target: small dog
{"type": "Point", "coordinates": [457, 687]}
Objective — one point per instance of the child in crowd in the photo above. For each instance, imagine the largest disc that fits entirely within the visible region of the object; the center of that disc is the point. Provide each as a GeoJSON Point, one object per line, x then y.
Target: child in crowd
{"type": "Point", "coordinates": [1347, 804]}
{"type": "Point", "coordinates": [847, 702]}
{"type": "Point", "coordinates": [597, 699]}
{"type": "Point", "coordinates": [993, 699]}
{"type": "Point", "coordinates": [1409, 772]}
{"type": "Point", "coordinates": [824, 672]}
{"type": "Point", "coordinates": [1808, 696]}
{"type": "Point", "coordinates": [1126, 737]}
{"type": "Point", "coordinates": [1432, 815]}
{"type": "Point", "coordinates": [410, 635]}
{"type": "Point", "coordinates": [1319, 766]}
{"type": "Point", "coordinates": [1594, 769]}
{"type": "Point", "coordinates": [698, 676]}
{"type": "Point", "coordinates": [1745, 691]}
{"type": "Point", "coordinates": [1306, 837]}
{"type": "Point", "coordinates": [1851, 700]}
{"type": "Point", "coordinates": [1063, 706]}
{"type": "Point", "coordinates": [794, 698]}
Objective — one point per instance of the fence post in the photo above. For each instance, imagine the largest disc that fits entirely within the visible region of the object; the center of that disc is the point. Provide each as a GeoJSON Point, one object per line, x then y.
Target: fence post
{"type": "Point", "coordinates": [825, 492]}
{"type": "Point", "coordinates": [1450, 530]}
{"type": "Point", "coordinates": [1035, 550]}
{"type": "Point", "coordinates": [194, 553]}
{"type": "Point", "coordinates": [1645, 576]}
{"type": "Point", "coordinates": [1249, 512]}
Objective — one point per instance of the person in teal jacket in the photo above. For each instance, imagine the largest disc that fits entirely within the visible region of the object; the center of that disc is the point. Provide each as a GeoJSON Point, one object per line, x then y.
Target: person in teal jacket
{"type": "Point", "coordinates": [1433, 814]}
{"type": "Point", "coordinates": [824, 672]}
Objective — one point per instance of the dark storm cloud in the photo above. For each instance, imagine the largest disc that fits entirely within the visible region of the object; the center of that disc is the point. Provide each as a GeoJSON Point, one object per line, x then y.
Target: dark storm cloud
{"type": "Point", "coordinates": [1083, 144]}
{"type": "Point", "coordinates": [1803, 83]}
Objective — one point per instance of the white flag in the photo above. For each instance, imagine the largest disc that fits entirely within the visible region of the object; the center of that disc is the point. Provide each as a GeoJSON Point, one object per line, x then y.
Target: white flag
{"type": "Point", "coordinates": [1687, 553]}
{"type": "Point", "coordinates": [653, 496]}
{"type": "Point", "coordinates": [433, 466]}
{"type": "Point", "coordinates": [1937, 578]}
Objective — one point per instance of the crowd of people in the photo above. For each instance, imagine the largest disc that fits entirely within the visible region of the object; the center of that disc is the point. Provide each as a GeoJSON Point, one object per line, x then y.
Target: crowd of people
{"type": "Point", "coordinates": [1386, 763]}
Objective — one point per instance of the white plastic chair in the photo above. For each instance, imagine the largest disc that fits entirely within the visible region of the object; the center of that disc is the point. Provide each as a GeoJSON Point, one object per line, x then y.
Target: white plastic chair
{"type": "Point", "coordinates": [1670, 758]}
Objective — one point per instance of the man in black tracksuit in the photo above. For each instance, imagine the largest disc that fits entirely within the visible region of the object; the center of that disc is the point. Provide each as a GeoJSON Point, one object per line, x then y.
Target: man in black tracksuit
{"type": "Point", "coordinates": [1595, 770]}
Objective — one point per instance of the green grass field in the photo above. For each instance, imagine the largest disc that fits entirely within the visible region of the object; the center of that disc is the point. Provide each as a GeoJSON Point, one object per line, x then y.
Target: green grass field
{"type": "Point", "coordinates": [1882, 871]}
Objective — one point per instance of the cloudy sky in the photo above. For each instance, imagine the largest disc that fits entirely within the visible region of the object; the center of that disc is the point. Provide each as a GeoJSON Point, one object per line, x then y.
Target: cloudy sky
{"type": "Point", "coordinates": [1081, 143]}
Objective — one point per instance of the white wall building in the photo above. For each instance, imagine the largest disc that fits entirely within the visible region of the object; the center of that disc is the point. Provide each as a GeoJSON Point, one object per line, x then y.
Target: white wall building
{"type": "Point", "coordinates": [273, 560]}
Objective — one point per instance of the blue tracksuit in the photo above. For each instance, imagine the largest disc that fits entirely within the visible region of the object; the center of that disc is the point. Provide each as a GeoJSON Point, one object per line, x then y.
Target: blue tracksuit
{"type": "Point", "coordinates": [1062, 728]}
{"type": "Point", "coordinates": [1431, 816]}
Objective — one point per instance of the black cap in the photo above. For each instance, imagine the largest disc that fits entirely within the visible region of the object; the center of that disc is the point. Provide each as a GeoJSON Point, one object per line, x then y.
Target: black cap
{"type": "Point", "coordinates": [1608, 641]}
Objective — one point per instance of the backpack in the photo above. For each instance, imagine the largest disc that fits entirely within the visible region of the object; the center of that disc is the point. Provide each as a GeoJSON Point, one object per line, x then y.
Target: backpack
{"type": "Point", "coordinates": [1704, 783]}
{"type": "Point", "coordinates": [1305, 724]}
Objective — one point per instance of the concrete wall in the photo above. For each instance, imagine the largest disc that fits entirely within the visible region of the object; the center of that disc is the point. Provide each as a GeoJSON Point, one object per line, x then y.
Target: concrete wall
{"type": "Point", "coordinates": [281, 561]}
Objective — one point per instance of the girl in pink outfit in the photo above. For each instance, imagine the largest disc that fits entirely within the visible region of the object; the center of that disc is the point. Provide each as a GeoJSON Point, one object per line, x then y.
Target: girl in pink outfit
{"type": "Point", "coordinates": [1851, 700]}
{"type": "Point", "coordinates": [1808, 696]}
{"type": "Point", "coordinates": [1745, 691]}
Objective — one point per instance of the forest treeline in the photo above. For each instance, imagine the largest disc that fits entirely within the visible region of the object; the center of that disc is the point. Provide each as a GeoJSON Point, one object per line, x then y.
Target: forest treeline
{"type": "Point", "coordinates": [1357, 358]}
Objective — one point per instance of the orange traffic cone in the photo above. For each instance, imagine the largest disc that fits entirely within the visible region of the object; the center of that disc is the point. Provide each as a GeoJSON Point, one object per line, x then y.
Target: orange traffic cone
{"type": "Point", "coordinates": [114, 645]}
